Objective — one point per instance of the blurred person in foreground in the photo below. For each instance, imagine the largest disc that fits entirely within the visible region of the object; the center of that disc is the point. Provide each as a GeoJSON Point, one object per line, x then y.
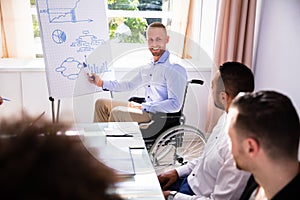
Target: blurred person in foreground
{"type": "Point", "coordinates": [264, 129]}
{"type": "Point", "coordinates": [38, 161]}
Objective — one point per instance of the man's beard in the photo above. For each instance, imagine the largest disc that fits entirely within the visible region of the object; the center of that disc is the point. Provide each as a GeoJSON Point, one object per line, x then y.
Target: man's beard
{"type": "Point", "coordinates": [219, 105]}
{"type": "Point", "coordinates": [157, 52]}
{"type": "Point", "coordinates": [238, 166]}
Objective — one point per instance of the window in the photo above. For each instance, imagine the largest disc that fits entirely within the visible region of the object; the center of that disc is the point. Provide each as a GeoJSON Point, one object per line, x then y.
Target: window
{"type": "Point", "coordinates": [36, 31]}
{"type": "Point", "coordinates": [128, 20]}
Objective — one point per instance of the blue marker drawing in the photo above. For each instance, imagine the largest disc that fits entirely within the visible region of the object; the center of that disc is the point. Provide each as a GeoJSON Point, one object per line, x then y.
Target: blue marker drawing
{"type": "Point", "coordinates": [63, 15]}
{"type": "Point", "coordinates": [86, 42]}
{"type": "Point", "coordinates": [70, 68]}
{"type": "Point", "coordinates": [59, 36]}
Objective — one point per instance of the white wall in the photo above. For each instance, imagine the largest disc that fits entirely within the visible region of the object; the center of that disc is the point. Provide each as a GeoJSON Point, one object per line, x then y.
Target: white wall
{"type": "Point", "coordinates": [277, 63]}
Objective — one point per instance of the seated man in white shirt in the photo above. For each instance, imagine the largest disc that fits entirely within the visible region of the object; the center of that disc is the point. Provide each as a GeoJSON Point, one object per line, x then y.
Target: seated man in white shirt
{"type": "Point", "coordinates": [214, 175]}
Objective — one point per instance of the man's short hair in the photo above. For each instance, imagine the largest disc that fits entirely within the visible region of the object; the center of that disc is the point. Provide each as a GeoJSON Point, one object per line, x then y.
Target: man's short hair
{"type": "Point", "coordinates": [156, 25]}
{"type": "Point", "coordinates": [235, 77]}
{"type": "Point", "coordinates": [271, 118]}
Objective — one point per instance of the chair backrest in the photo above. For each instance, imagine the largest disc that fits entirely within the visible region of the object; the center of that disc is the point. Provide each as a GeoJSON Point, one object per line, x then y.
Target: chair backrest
{"type": "Point", "coordinates": [193, 81]}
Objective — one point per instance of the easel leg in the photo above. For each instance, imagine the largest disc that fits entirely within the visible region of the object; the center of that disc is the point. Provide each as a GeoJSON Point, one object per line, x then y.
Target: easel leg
{"type": "Point", "coordinates": [53, 110]}
{"type": "Point", "coordinates": [57, 113]}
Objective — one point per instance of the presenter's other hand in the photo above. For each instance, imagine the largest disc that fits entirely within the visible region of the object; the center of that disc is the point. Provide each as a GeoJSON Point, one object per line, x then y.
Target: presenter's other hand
{"type": "Point", "coordinates": [132, 104]}
{"type": "Point", "coordinates": [1, 100]}
{"type": "Point", "coordinates": [95, 79]}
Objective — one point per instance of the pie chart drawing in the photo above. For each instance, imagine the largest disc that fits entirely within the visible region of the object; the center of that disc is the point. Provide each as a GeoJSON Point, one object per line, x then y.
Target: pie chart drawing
{"type": "Point", "coordinates": [59, 36]}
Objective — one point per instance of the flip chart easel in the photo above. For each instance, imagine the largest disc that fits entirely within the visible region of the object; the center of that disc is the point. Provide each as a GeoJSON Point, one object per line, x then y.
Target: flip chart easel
{"type": "Point", "coordinates": [70, 31]}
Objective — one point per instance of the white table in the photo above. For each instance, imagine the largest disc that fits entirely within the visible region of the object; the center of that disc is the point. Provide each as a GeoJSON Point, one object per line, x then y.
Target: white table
{"type": "Point", "coordinates": [144, 183]}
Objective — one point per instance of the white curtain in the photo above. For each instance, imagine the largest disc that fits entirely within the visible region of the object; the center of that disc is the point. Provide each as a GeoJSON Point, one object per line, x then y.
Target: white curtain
{"type": "Point", "coordinates": [180, 25]}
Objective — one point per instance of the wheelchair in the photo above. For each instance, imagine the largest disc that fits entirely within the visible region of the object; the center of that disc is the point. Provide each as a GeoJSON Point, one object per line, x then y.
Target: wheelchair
{"type": "Point", "coordinates": [169, 141]}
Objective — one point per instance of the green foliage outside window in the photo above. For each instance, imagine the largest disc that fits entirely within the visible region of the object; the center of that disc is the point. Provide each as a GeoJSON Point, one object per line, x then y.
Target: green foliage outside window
{"type": "Point", "coordinates": [137, 26]}
{"type": "Point", "coordinates": [36, 28]}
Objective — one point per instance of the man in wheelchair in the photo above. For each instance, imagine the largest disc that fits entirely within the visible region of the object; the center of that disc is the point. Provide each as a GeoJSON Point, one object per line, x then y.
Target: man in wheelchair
{"type": "Point", "coordinates": [164, 84]}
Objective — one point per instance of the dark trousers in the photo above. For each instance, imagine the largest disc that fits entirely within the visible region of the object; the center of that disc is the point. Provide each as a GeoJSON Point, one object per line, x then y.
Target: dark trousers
{"type": "Point", "coordinates": [182, 186]}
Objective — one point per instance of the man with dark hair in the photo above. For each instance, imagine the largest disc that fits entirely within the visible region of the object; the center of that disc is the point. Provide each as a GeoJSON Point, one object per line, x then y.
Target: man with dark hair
{"type": "Point", "coordinates": [164, 84]}
{"type": "Point", "coordinates": [213, 175]}
{"type": "Point", "coordinates": [37, 161]}
{"type": "Point", "coordinates": [264, 130]}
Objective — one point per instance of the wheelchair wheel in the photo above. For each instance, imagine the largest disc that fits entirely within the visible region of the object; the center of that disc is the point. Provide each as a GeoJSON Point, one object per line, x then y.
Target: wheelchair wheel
{"type": "Point", "coordinates": [176, 146]}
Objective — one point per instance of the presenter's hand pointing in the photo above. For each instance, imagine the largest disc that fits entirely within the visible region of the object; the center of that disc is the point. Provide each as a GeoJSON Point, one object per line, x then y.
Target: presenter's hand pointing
{"type": "Point", "coordinates": [95, 79]}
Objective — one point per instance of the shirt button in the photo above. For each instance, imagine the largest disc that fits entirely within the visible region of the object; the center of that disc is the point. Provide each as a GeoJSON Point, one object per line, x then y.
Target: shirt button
{"type": "Point", "coordinates": [148, 85]}
{"type": "Point", "coordinates": [150, 74]}
{"type": "Point", "coordinates": [193, 174]}
{"type": "Point", "coordinates": [148, 97]}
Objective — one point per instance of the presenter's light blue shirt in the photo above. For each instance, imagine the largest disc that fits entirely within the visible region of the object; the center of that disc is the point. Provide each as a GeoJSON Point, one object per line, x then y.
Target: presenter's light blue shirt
{"type": "Point", "coordinates": [164, 84]}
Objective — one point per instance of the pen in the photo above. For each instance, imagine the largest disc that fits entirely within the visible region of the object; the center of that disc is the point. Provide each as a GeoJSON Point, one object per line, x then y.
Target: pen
{"type": "Point", "coordinates": [124, 135]}
{"type": "Point", "coordinates": [5, 99]}
{"type": "Point", "coordinates": [136, 148]}
{"type": "Point", "coordinates": [91, 76]}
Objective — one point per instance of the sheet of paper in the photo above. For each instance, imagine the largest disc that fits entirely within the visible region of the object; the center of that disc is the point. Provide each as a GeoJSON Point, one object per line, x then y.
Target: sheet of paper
{"type": "Point", "coordinates": [118, 158]}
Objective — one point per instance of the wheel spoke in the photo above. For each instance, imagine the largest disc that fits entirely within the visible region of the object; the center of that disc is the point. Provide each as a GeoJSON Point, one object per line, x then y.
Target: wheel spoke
{"type": "Point", "coordinates": [181, 143]}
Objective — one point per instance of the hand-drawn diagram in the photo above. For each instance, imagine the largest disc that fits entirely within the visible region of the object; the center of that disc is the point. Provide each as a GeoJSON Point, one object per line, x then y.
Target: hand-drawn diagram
{"type": "Point", "coordinates": [70, 31]}
{"type": "Point", "coordinates": [57, 14]}
{"type": "Point", "coordinates": [59, 36]}
{"type": "Point", "coordinates": [87, 42]}
{"type": "Point", "coordinates": [70, 68]}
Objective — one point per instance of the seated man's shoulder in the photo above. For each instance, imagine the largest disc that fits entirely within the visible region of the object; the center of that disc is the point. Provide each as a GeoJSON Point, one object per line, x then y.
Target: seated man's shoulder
{"type": "Point", "coordinates": [178, 68]}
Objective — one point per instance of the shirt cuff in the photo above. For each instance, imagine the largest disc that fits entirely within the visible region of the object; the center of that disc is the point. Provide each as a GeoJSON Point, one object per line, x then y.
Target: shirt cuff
{"type": "Point", "coordinates": [105, 85]}
{"type": "Point", "coordinates": [145, 107]}
{"type": "Point", "coordinates": [183, 171]}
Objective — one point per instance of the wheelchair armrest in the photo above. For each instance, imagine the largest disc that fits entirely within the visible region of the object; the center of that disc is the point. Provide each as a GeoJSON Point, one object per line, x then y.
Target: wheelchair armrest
{"type": "Point", "coordinates": [137, 99]}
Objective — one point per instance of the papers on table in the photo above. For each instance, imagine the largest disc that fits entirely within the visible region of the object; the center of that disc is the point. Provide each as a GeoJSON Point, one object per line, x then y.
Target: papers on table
{"type": "Point", "coordinates": [120, 159]}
